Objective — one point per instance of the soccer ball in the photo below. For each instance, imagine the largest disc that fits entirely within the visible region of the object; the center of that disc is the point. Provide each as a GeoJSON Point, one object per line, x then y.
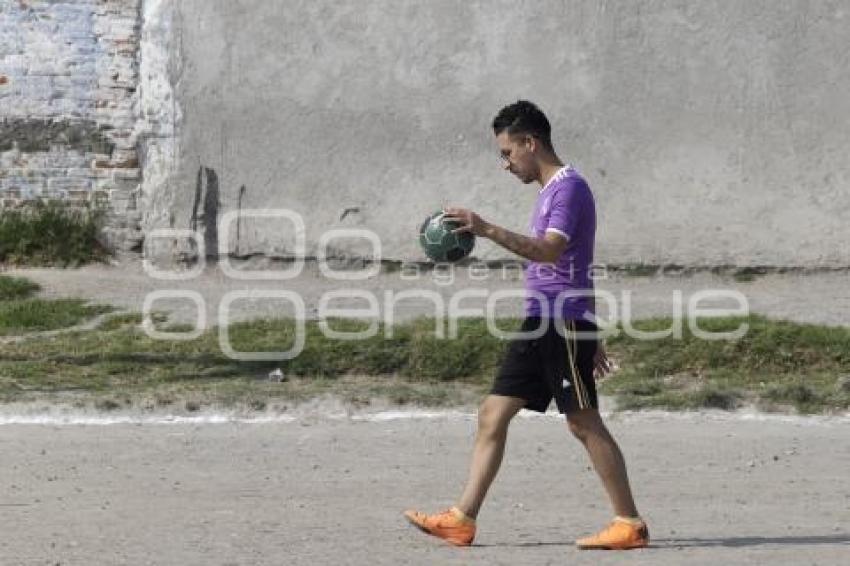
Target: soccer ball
{"type": "Point", "coordinates": [440, 243]}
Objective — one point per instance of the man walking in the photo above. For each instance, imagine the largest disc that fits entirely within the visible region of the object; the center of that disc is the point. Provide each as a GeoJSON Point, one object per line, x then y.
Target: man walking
{"type": "Point", "coordinates": [558, 352]}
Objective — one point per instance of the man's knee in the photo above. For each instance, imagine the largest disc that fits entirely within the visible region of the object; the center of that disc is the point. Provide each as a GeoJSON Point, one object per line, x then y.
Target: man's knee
{"type": "Point", "coordinates": [584, 423]}
{"type": "Point", "coordinates": [578, 429]}
{"type": "Point", "coordinates": [494, 417]}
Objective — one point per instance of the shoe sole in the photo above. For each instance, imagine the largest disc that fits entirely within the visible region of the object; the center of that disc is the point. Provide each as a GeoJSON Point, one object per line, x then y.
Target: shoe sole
{"type": "Point", "coordinates": [427, 532]}
{"type": "Point", "coordinates": [609, 547]}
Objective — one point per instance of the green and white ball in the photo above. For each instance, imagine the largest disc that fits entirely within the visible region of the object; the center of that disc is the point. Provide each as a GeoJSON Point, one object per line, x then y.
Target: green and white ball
{"type": "Point", "coordinates": [441, 244]}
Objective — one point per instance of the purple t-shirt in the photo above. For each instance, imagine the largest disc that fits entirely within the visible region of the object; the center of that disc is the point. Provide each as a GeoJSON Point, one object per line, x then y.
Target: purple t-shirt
{"type": "Point", "coordinates": [565, 205]}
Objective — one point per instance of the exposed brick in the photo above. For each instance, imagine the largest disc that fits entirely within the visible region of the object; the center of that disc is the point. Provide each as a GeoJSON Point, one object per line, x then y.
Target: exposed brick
{"type": "Point", "coordinates": [99, 196]}
{"type": "Point", "coordinates": [128, 163]}
{"type": "Point", "coordinates": [68, 116]}
{"type": "Point", "coordinates": [79, 195]}
{"type": "Point", "coordinates": [129, 173]}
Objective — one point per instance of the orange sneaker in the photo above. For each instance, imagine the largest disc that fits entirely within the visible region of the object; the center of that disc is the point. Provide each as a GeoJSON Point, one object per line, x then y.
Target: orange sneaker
{"type": "Point", "coordinates": [450, 525]}
{"type": "Point", "coordinates": [621, 534]}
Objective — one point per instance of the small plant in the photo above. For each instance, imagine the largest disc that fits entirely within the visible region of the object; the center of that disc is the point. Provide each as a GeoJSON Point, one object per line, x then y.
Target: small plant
{"type": "Point", "coordinates": [30, 315]}
{"type": "Point", "coordinates": [52, 233]}
{"type": "Point", "coordinates": [16, 288]}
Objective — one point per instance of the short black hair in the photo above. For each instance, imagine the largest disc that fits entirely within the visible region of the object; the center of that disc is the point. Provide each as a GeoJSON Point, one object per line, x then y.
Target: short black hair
{"type": "Point", "coordinates": [524, 117]}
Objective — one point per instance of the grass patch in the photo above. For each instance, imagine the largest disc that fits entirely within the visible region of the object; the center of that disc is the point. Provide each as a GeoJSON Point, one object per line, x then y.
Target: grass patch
{"type": "Point", "coordinates": [776, 365]}
{"type": "Point", "coordinates": [16, 288]}
{"type": "Point", "coordinates": [29, 315]}
{"type": "Point", "coordinates": [120, 321]}
{"type": "Point", "coordinates": [411, 366]}
{"type": "Point", "coordinates": [51, 234]}
{"type": "Point", "coordinates": [129, 320]}
{"type": "Point", "coordinates": [22, 314]}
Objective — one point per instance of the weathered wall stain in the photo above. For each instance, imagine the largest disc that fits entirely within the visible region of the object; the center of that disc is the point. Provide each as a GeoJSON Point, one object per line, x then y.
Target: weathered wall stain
{"type": "Point", "coordinates": [239, 218]}
{"type": "Point", "coordinates": [33, 134]}
{"type": "Point", "coordinates": [205, 210]}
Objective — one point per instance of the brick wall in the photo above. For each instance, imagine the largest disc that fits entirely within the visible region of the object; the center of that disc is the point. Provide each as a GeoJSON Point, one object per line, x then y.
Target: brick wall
{"type": "Point", "coordinates": [69, 106]}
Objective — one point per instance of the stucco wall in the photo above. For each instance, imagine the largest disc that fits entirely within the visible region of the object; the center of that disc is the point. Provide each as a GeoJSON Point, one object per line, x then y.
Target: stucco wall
{"type": "Point", "coordinates": [712, 132]}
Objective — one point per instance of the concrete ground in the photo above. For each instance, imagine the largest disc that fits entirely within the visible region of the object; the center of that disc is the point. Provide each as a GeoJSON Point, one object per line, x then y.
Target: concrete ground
{"type": "Point", "coordinates": [715, 489]}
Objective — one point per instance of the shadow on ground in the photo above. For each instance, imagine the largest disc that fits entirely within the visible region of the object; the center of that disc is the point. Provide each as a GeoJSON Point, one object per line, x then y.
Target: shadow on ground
{"type": "Point", "coordinates": [675, 543]}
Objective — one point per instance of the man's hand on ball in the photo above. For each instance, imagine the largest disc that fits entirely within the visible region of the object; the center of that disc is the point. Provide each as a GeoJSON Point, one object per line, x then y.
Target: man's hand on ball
{"type": "Point", "coordinates": [468, 220]}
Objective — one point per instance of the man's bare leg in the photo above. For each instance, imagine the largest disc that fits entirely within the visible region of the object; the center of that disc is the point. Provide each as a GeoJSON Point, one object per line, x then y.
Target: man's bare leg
{"type": "Point", "coordinates": [607, 459]}
{"type": "Point", "coordinates": [494, 416]}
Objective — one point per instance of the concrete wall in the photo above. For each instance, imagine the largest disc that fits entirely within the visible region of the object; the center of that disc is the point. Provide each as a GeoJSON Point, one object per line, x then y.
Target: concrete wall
{"type": "Point", "coordinates": [68, 121]}
{"type": "Point", "coordinates": [712, 132]}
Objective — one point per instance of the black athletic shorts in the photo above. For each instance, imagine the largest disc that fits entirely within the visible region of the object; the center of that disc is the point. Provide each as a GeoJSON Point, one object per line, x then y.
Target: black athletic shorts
{"type": "Point", "coordinates": [558, 364]}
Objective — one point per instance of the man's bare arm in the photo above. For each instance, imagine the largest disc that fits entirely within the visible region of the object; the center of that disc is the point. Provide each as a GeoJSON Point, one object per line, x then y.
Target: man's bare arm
{"type": "Point", "coordinates": [544, 250]}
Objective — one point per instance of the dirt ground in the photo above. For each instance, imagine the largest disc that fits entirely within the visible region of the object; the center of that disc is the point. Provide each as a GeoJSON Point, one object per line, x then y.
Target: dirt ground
{"type": "Point", "coordinates": [816, 297]}
{"type": "Point", "coordinates": [715, 489]}
{"type": "Point", "coordinates": [323, 487]}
